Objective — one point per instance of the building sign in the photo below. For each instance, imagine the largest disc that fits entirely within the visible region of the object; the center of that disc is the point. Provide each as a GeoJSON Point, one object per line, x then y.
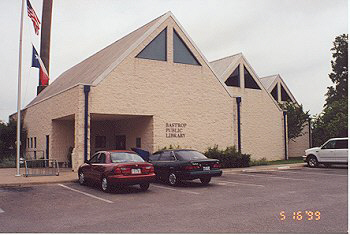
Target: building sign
{"type": "Point", "coordinates": [175, 130]}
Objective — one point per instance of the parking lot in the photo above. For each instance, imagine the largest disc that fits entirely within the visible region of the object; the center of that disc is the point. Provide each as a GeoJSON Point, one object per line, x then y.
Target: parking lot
{"type": "Point", "coordinates": [237, 202]}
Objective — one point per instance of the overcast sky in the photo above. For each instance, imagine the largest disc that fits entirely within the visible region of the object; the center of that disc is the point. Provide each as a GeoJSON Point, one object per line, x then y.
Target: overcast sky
{"type": "Point", "coordinates": [292, 38]}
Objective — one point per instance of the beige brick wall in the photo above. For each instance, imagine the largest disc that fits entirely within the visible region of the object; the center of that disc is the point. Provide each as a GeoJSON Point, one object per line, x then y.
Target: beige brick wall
{"type": "Point", "coordinates": [297, 147]}
{"type": "Point", "coordinates": [262, 133]}
{"type": "Point", "coordinates": [261, 126]}
{"type": "Point", "coordinates": [171, 93]}
{"type": "Point", "coordinates": [39, 122]}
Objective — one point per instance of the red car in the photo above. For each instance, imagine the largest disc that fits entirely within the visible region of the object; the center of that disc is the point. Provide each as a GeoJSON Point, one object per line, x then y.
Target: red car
{"type": "Point", "coordinates": [116, 167]}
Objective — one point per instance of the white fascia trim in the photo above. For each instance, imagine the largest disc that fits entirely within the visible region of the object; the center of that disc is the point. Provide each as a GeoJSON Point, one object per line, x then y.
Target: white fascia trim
{"type": "Point", "coordinates": [200, 53]}
{"type": "Point", "coordinates": [232, 66]}
{"type": "Point", "coordinates": [78, 84]}
{"type": "Point", "coordinates": [130, 49]}
{"type": "Point", "coordinates": [272, 85]}
{"type": "Point", "coordinates": [256, 78]}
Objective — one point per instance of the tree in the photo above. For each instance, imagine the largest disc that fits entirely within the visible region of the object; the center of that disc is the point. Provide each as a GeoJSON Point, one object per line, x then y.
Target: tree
{"type": "Point", "coordinates": [297, 119]}
{"type": "Point", "coordinates": [333, 120]}
{"type": "Point", "coordinates": [8, 133]}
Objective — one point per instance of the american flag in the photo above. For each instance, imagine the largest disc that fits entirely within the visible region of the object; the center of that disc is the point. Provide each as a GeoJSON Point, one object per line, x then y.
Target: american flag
{"type": "Point", "coordinates": [34, 17]}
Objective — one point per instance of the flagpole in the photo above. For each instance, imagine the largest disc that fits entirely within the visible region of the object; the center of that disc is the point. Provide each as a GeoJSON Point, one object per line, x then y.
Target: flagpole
{"type": "Point", "coordinates": [19, 94]}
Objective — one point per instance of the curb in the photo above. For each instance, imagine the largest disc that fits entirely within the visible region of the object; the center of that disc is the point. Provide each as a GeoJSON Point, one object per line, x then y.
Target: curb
{"type": "Point", "coordinates": [36, 183]}
{"type": "Point", "coordinates": [265, 168]}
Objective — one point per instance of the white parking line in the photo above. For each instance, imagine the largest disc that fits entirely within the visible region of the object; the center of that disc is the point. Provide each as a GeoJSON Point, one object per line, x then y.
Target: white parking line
{"type": "Point", "coordinates": [183, 191]}
{"type": "Point", "coordinates": [86, 194]}
{"type": "Point", "coordinates": [1, 210]}
{"type": "Point", "coordinates": [275, 177]}
{"type": "Point", "coordinates": [225, 184]}
{"type": "Point", "coordinates": [231, 182]}
{"type": "Point", "coordinates": [303, 172]}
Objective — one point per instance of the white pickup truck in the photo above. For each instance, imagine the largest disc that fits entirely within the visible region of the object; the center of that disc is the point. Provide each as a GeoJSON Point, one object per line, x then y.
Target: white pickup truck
{"type": "Point", "coordinates": [334, 151]}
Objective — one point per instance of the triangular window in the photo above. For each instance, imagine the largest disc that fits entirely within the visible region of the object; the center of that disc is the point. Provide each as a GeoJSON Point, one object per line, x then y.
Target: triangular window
{"type": "Point", "coordinates": [274, 92]}
{"type": "Point", "coordinates": [284, 95]}
{"type": "Point", "coordinates": [249, 81]}
{"type": "Point", "coordinates": [182, 53]}
{"type": "Point", "coordinates": [156, 49]}
{"type": "Point", "coordinates": [234, 78]}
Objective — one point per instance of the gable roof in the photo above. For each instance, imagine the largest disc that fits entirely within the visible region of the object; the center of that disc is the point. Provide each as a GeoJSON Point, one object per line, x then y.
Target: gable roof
{"type": "Point", "coordinates": [94, 69]}
{"type": "Point", "coordinates": [220, 66]}
{"type": "Point", "coordinates": [270, 82]}
{"type": "Point", "coordinates": [91, 69]}
{"type": "Point", "coordinates": [225, 66]}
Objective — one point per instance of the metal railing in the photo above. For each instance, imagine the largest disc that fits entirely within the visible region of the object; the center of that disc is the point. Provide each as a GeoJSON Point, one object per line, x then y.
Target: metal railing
{"type": "Point", "coordinates": [42, 167]}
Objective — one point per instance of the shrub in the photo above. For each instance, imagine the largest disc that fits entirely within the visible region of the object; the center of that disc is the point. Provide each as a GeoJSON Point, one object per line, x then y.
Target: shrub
{"type": "Point", "coordinates": [8, 161]}
{"type": "Point", "coordinates": [259, 162]}
{"type": "Point", "coordinates": [229, 157]}
{"type": "Point", "coordinates": [170, 147]}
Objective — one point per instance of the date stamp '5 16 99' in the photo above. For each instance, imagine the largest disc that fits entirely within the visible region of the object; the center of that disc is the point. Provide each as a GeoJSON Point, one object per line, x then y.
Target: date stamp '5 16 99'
{"type": "Point", "coordinates": [300, 215]}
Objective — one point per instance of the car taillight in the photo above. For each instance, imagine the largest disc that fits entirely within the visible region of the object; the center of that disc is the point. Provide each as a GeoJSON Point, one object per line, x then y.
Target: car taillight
{"type": "Point", "coordinates": [216, 165]}
{"type": "Point", "coordinates": [117, 171]}
{"type": "Point", "coordinates": [126, 170]}
{"type": "Point", "coordinates": [148, 169]}
{"type": "Point", "coordinates": [192, 167]}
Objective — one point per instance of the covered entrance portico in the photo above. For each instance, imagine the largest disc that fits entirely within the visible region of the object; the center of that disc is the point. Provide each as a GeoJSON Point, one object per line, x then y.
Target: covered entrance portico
{"type": "Point", "coordinates": [120, 131]}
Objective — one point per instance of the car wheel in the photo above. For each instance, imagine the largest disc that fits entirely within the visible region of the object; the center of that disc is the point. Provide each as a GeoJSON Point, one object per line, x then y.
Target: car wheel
{"type": "Point", "coordinates": [144, 186]}
{"type": "Point", "coordinates": [172, 179]}
{"type": "Point", "coordinates": [104, 185]}
{"type": "Point", "coordinates": [82, 179]}
{"type": "Point", "coordinates": [312, 161]}
{"type": "Point", "coordinates": [205, 180]}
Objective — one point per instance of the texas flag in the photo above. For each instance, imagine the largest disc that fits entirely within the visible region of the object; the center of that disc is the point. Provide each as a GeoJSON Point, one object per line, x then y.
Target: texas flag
{"type": "Point", "coordinates": [38, 63]}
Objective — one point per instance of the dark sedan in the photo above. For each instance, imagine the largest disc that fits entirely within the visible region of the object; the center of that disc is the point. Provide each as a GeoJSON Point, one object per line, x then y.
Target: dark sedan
{"type": "Point", "coordinates": [118, 167]}
{"type": "Point", "coordinates": [173, 166]}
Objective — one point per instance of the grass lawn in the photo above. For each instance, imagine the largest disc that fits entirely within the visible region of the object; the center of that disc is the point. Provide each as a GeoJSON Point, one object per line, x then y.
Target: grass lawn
{"type": "Point", "coordinates": [276, 162]}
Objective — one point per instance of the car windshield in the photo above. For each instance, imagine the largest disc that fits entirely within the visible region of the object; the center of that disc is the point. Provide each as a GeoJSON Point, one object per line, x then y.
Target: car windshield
{"type": "Point", "coordinates": [125, 157]}
{"type": "Point", "coordinates": [188, 155]}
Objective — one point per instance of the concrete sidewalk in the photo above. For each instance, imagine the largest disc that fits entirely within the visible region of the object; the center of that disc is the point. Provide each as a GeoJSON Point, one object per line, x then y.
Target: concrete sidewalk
{"type": "Point", "coordinates": [8, 178]}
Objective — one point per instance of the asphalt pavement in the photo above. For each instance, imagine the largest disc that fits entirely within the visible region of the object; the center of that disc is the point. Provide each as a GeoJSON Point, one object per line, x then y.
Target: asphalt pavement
{"type": "Point", "coordinates": [271, 200]}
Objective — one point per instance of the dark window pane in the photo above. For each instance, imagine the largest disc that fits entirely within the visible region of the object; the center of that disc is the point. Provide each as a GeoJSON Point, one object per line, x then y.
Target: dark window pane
{"type": "Point", "coordinates": [166, 156]}
{"type": "Point", "coordinates": [234, 79]}
{"type": "Point", "coordinates": [117, 157]}
{"type": "Point", "coordinates": [138, 142]}
{"type": "Point", "coordinates": [329, 145]}
{"type": "Point", "coordinates": [284, 95]}
{"type": "Point", "coordinates": [102, 158]}
{"type": "Point", "coordinates": [31, 142]}
{"type": "Point", "coordinates": [341, 144]}
{"type": "Point", "coordinates": [94, 158]}
{"type": "Point", "coordinates": [100, 142]}
{"type": "Point", "coordinates": [187, 155]}
{"type": "Point", "coordinates": [35, 142]}
{"type": "Point", "coordinates": [156, 49]}
{"type": "Point", "coordinates": [274, 92]}
{"type": "Point", "coordinates": [154, 157]}
{"type": "Point", "coordinates": [249, 81]}
{"type": "Point", "coordinates": [181, 52]}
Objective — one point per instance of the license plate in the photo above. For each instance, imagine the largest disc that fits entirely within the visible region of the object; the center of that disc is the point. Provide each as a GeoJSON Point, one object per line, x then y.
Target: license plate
{"type": "Point", "coordinates": [135, 171]}
{"type": "Point", "coordinates": [206, 168]}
